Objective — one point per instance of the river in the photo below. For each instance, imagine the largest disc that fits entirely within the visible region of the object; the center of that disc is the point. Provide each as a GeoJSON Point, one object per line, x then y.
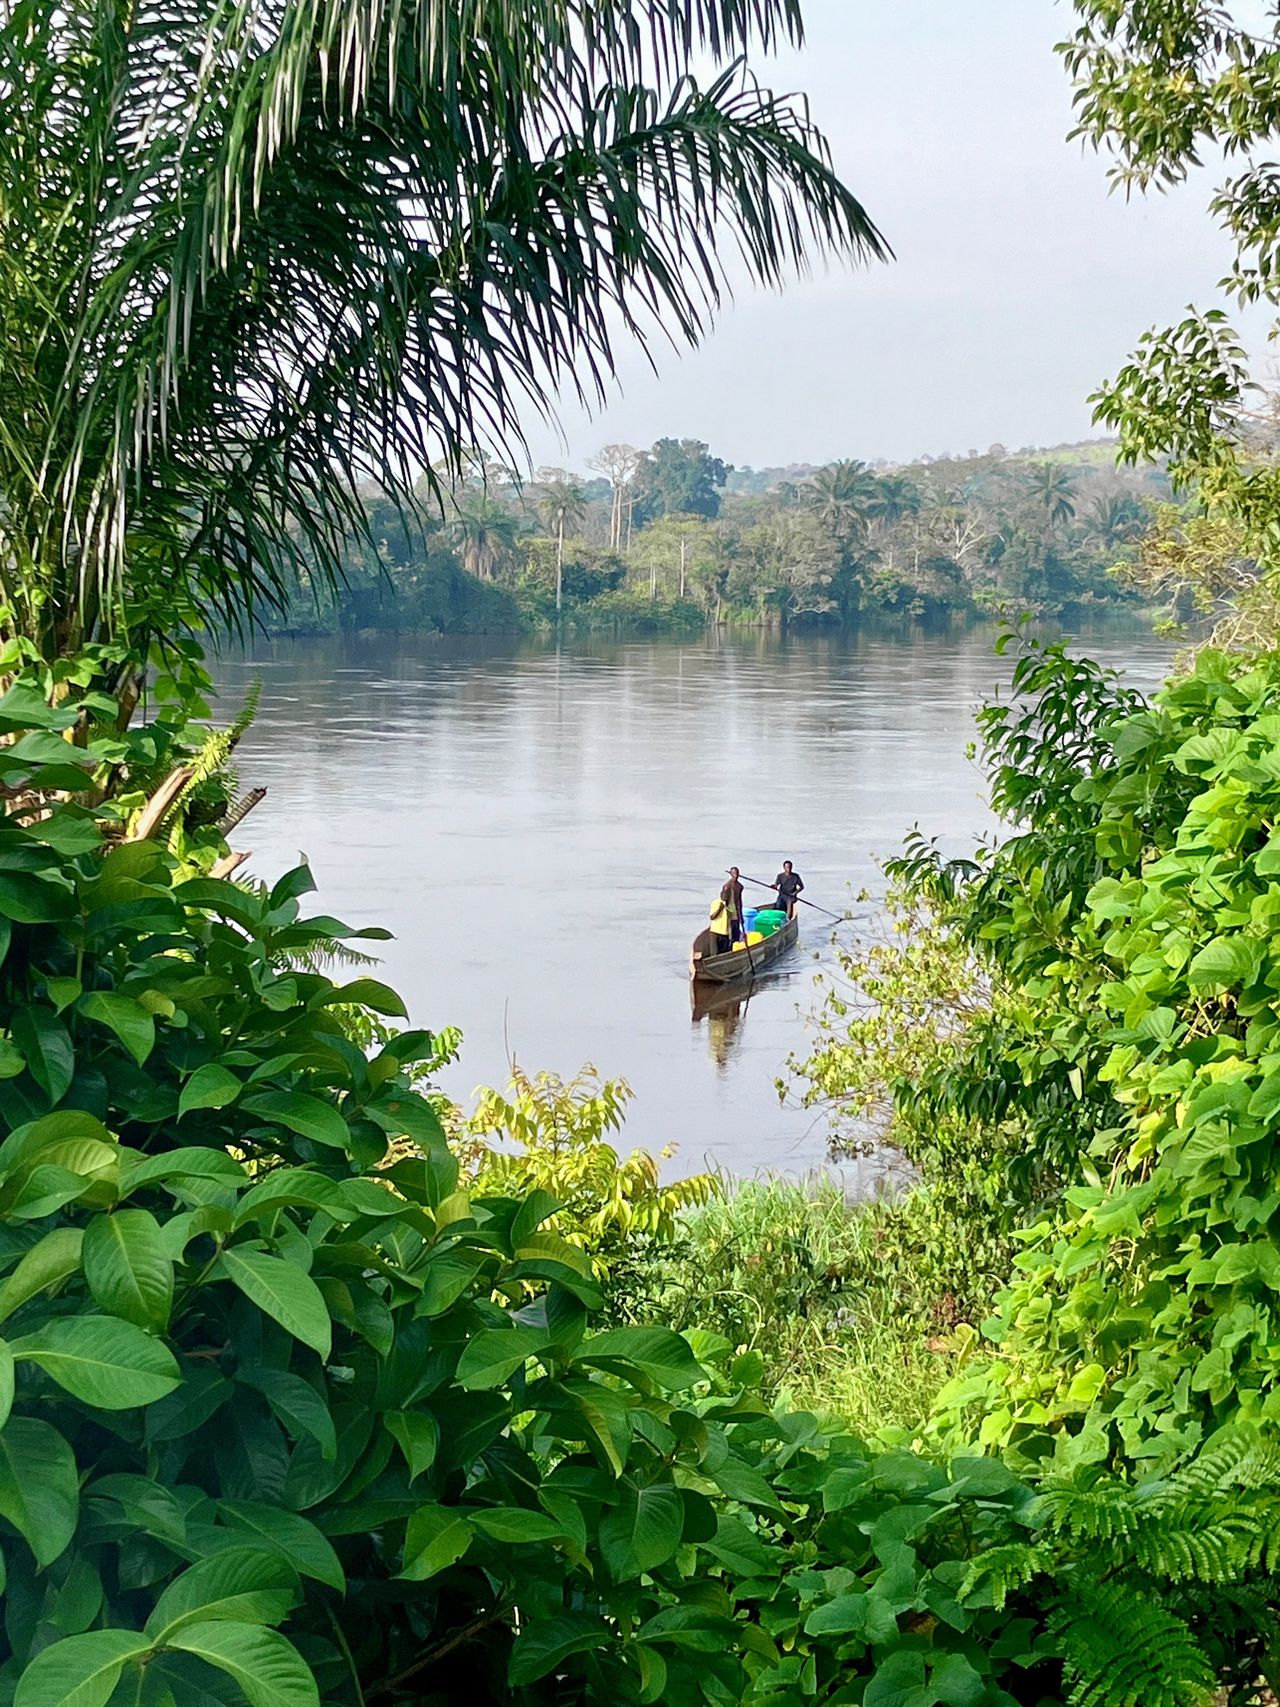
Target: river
{"type": "Point", "coordinates": [543, 829]}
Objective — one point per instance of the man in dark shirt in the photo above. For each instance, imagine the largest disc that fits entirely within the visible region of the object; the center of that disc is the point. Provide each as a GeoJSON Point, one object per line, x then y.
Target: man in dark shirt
{"type": "Point", "coordinates": [731, 895]}
{"type": "Point", "coordinates": [788, 883]}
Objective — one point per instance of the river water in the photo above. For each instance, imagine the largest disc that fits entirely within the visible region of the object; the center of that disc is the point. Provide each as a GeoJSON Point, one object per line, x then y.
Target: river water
{"type": "Point", "coordinates": [544, 828]}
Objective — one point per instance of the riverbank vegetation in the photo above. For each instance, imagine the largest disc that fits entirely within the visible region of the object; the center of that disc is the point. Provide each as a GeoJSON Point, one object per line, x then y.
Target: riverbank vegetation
{"type": "Point", "coordinates": [673, 539]}
{"type": "Point", "coordinates": [312, 1394]}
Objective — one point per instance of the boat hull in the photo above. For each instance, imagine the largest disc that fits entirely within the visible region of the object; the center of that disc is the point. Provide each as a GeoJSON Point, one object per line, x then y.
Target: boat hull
{"type": "Point", "coordinates": [740, 966]}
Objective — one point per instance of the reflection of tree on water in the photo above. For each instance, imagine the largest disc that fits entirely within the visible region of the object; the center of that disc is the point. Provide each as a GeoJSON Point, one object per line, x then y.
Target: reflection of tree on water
{"type": "Point", "coordinates": [724, 1015]}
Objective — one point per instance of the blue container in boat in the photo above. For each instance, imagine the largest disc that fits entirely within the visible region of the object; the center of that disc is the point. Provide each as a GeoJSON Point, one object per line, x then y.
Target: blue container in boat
{"type": "Point", "coordinates": [749, 917]}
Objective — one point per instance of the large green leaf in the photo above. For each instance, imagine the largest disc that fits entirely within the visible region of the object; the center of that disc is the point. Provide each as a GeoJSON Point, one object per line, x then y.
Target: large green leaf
{"type": "Point", "coordinates": [81, 1671]}
{"type": "Point", "coordinates": [298, 1405]}
{"type": "Point", "coordinates": [493, 1355]}
{"type": "Point", "coordinates": [658, 1353]}
{"type": "Point", "coordinates": [1225, 963]}
{"type": "Point", "coordinates": [46, 1045]}
{"type": "Point", "coordinates": [306, 1115]}
{"type": "Point", "coordinates": [437, 1537]}
{"type": "Point", "coordinates": [545, 1643]}
{"type": "Point", "coordinates": [132, 1024]}
{"type": "Point", "coordinates": [209, 1086]}
{"type": "Point", "coordinates": [369, 993]}
{"type": "Point", "coordinates": [898, 1681]}
{"type": "Point", "coordinates": [643, 1530]}
{"type": "Point", "coordinates": [247, 1585]}
{"type": "Point", "coordinates": [46, 1264]}
{"type": "Point", "coordinates": [296, 1538]}
{"type": "Point", "coordinates": [103, 1361]}
{"type": "Point", "coordinates": [127, 1267]}
{"type": "Point", "coordinates": [270, 1670]}
{"type": "Point", "coordinates": [282, 1292]}
{"type": "Point", "coordinates": [39, 1486]}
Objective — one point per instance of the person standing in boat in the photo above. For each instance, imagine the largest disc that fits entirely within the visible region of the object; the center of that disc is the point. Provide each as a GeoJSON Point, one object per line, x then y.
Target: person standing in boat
{"type": "Point", "coordinates": [731, 895]}
{"type": "Point", "coordinates": [788, 883]}
{"type": "Point", "coordinates": [720, 926]}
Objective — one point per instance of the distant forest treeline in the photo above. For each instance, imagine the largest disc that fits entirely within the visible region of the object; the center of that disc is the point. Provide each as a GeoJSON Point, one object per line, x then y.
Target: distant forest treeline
{"type": "Point", "coordinates": [674, 537]}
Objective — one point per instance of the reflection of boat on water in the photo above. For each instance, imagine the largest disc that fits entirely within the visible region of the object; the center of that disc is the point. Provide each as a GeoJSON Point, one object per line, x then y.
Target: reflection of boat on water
{"type": "Point", "coordinates": [741, 965]}
{"type": "Point", "coordinates": [724, 1010]}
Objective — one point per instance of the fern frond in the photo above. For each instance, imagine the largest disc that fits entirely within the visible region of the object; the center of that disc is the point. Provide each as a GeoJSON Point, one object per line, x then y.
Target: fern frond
{"type": "Point", "coordinates": [1237, 1458]}
{"type": "Point", "coordinates": [1206, 1546]}
{"type": "Point", "coordinates": [1119, 1648]}
{"type": "Point", "coordinates": [1102, 1513]}
{"type": "Point", "coordinates": [1001, 1571]}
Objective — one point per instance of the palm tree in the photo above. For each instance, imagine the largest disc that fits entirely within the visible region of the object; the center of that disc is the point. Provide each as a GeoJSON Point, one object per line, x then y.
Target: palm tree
{"type": "Point", "coordinates": [561, 505]}
{"type": "Point", "coordinates": [894, 499]}
{"type": "Point", "coordinates": [841, 495]}
{"type": "Point", "coordinates": [484, 533]}
{"type": "Point", "coordinates": [1115, 518]}
{"type": "Point", "coordinates": [250, 256]}
{"type": "Point", "coordinates": [1054, 489]}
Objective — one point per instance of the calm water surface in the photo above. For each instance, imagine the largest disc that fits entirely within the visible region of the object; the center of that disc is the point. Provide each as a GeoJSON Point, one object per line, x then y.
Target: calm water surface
{"type": "Point", "coordinates": [543, 830]}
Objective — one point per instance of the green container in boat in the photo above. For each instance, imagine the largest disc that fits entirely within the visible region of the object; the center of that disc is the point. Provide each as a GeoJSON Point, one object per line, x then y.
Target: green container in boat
{"type": "Point", "coordinates": [769, 920]}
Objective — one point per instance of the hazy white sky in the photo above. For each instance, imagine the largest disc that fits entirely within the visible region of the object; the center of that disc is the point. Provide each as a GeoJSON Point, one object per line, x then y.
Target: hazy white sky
{"type": "Point", "coordinates": [1019, 284]}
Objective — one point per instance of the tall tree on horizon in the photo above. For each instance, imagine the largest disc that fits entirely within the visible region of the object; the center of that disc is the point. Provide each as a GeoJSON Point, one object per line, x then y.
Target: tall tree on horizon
{"type": "Point", "coordinates": [252, 256]}
{"type": "Point", "coordinates": [561, 505]}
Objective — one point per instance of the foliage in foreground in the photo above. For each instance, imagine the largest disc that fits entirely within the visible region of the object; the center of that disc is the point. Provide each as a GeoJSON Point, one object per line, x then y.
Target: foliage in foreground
{"type": "Point", "coordinates": [287, 1416]}
{"type": "Point", "coordinates": [1131, 918]}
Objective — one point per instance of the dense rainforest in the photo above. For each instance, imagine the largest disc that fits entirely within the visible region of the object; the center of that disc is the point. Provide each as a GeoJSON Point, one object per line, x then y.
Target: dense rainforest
{"type": "Point", "coordinates": [674, 539]}
{"type": "Point", "coordinates": [315, 1392]}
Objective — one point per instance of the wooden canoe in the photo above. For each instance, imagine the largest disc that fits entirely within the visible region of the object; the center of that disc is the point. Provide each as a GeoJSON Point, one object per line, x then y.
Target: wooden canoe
{"type": "Point", "coordinates": [740, 966]}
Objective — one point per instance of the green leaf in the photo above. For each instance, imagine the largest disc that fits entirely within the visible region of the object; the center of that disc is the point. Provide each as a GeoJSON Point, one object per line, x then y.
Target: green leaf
{"type": "Point", "coordinates": [282, 1292]}
{"type": "Point", "coordinates": [300, 1408]}
{"type": "Point", "coordinates": [417, 1433]}
{"type": "Point", "coordinates": [209, 1086]}
{"type": "Point", "coordinates": [296, 1538]}
{"type": "Point", "coordinates": [104, 1362]}
{"type": "Point", "coordinates": [493, 1355]}
{"type": "Point", "coordinates": [899, 1682]}
{"type": "Point", "coordinates": [1225, 963]}
{"type": "Point", "coordinates": [46, 1045]}
{"type": "Point", "coordinates": [435, 1539]}
{"type": "Point", "coordinates": [132, 1024]}
{"type": "Point", "coordinates": [845, 1615]}
{"type": "Point", "coordinates": [369, 993]}
{"type": "Point", "coordinates": [81, 1671]}
{"type": "Point", "coordinates": [643, 1530]}
{"type": "Point", "coordinates": [294, 1186]}
{"type": "Point", "coordinates": [39, 1486]}
{"type": "Point", "coordinates": [187, 1162]}
{"type": "Point", "coordinates": [46, 1264]}
{"type": "Point", "coordinates": [659, 1353]}
{"type": "Point", "coordinates": [546, 1643]}
{"type": "Point", "coordinates": [512, 1524]}
{"type": "Point", "coordinates": [305, 1115]}
{"type": "Point", "coordinates": [7, 1385]}
{"type": "Point", "coordinates": [267, 1668]}
{"type": "Point", "coordinates": [127, 1268]}
{"type": "Point", "coordinates": [247, 1585]}
{"type": "Point", "coordinates": [30, 900]}
{"type": "Point", "coordinates": [956, 1683]}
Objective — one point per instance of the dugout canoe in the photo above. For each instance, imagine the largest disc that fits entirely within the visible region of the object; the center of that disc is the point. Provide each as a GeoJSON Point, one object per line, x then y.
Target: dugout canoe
{"type": "Point", "coordinates": [741, 965]}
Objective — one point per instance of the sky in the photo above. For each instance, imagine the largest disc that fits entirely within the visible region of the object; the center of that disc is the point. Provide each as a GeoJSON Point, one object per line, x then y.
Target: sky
{"type": "Point", "coordinates": [1020, 282]}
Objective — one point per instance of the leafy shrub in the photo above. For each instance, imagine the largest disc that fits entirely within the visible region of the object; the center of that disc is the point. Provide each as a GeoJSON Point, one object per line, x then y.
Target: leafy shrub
{"type": "Point", "coordinates": [552, 1138]}
{"type": "Point", "coordinates": [1132, 914]}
